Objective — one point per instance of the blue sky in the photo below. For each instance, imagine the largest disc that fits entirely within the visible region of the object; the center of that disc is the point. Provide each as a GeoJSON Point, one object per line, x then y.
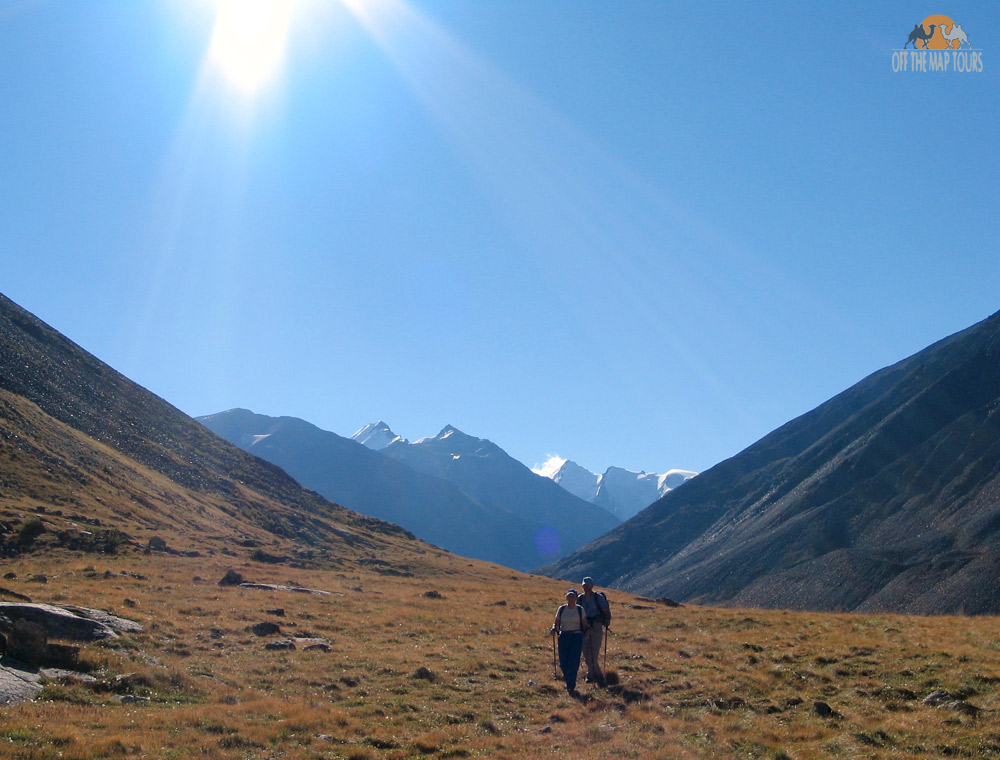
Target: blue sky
{"type": "Point", "coordinates": [638, 233]}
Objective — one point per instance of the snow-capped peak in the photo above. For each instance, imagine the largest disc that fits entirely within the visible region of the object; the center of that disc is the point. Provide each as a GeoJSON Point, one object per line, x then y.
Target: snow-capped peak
{"type": "Point", "coordinates": [578, 480]}
{"type": "Point", "coordinates": [621, 492]}
{"type": "Point", "coordinates": [376, 435]}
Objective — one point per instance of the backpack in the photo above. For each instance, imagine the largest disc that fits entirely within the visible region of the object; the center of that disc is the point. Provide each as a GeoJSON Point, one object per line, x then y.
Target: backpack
{"type": "Point", "coordinates": [605, 608]}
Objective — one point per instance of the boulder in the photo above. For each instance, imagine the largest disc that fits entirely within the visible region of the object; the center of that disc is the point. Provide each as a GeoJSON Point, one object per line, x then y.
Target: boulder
{"type": "Point", "coordinates": [266, 628]}
{"type": "Point", "coordinates": [231, 578]}
{"type": "Point", "coordinates": [69, 622]}
{"type": "Point", "coordinates": [28, 642]}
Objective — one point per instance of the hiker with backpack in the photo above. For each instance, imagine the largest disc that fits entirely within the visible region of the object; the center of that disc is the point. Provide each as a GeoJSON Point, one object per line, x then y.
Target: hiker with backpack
{"type": "Point", "coordinates": [570, 625]}
{"type": "Point", "coordinates": [595, 606]}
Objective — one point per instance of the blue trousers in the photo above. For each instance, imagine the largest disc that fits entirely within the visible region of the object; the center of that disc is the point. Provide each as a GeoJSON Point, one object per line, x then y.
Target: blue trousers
{"type": "Point", "coordinates": [570, 648]}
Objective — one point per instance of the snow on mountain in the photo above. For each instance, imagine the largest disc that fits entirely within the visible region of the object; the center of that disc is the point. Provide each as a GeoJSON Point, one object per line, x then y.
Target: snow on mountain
{"type": "Point", "coordinates": [376, 436]}
{"type": "Point", "coordinates": [578, 480]}
{"type": "Point", "coordinates": [621, 492]}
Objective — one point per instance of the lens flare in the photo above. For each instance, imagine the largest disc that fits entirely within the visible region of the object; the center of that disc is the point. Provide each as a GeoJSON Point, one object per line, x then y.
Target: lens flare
{"type": "Point", "coordinates": [249, 40]}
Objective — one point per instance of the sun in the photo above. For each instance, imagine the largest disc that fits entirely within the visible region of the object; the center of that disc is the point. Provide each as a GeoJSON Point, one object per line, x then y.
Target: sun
{"type": "Point", "coordinates": [249, 40]}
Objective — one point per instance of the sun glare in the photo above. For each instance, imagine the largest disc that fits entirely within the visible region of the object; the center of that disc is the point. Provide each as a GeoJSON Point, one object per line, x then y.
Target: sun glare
{"type": "Point", "coordinates": [249, 40]}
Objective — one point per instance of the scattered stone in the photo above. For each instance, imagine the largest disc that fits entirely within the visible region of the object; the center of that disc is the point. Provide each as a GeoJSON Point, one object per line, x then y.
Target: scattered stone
{"type": "Point", "coordinates": [130, 602]}
{"type": "Point", "coordinates": [156, 543]}
{"type": "Point", "coordinates": [129, 699]}
{"type": "Point", "coordinates": [231, 578]}
{"type": "Point", "coordinates": [280, 644]}
{"type": "Point", "coordinates": [423, 674]}
{"type": "Point", "coordinates": [273, 587]}
{"type": "Point", "coordinates": [276, 611]}
{"type": "Point", "coordinates": [39, 578]}
{"type": "Point", "coordinates": [266, 629]}
{"type": "Point", "coordinates": [729, 703]}
{"type": "Point", "coordinates": [10, 576]}
{"type": "Point", "coordinates": [546, 730]}
{"type": "Point", "coordinates": [823, 710]}
{"type": "Point", "coordinates": [312, 644]}
{"type": "Point", "coordinates": [936, 698]}
{"type": "Point", "coordinates": [433, 595]}
{"type": "Point", "coordinates": [960, 705]}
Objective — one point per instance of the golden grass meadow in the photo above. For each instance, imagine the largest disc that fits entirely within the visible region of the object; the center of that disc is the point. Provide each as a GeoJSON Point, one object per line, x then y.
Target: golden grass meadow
{"type": "Point", "coordinates": [438, 656]}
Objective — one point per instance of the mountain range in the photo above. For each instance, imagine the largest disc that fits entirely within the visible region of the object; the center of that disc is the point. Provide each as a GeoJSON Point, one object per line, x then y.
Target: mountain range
{"type": "Point", "coordinates": [886, 497]}
{"type": "Point", "coordinates": [461, 493]}
{"type": "Point", "coordinates": [621, 492]}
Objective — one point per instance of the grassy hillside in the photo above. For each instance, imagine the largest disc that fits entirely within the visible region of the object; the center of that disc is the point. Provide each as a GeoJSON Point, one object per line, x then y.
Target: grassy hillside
{"type": "Point", "coordinates": [454, 661]}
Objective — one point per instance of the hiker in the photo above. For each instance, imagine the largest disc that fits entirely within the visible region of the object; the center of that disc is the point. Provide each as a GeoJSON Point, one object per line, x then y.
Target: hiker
{"type": "Point", "coordinates": [570, 624]}
{"type": "Point", "coordinates": [598, 611]}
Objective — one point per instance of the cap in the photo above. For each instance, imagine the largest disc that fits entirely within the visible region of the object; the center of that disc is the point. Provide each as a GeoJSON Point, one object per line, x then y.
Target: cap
{"type": "Point", "coordinates": [588, 581]}
{"type": "Point", "coordinates": [572, 591]}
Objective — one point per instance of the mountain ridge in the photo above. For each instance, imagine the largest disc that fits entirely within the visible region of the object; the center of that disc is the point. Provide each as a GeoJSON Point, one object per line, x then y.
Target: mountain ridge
{"type": "Point", "coordinates": [885, 497]}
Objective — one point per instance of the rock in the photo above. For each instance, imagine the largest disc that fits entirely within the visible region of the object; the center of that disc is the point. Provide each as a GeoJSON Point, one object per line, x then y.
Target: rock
{"type": "Point", "coordinates": [276, 611]}
{"type": "Point", "coordinates": [129, 699]}
{"type": "Point", "coordinates": [62, 656]}
{"type": "Point", "coordinates": [433, 595]}
{"type": "Point", "coordinates": [156, 543]}
{"type": "Point", "coordinates": [18, 685]}
{"type": "Point", "coordinates": [39, 578]}
{"type": "Point", "coordinates": [70, 622]}
{"type": "Point", "coordinates": [10, 576]}
{"type": "Point", "coordinates": [231, 578]}
{"type": "Point", "coordinates": [960, 705]}
{"type": "Point", "coordinates": [280, 644]}
{"type": "Point", "coordinates": [114, 622]}
{"type": "Point", "coordinates": [729, 703]}
{"type": "Point", "coordinates": [273, 587]}
{"type": "Point", "coordinates": [266, 629]}
{"type": "Point", "coordinates": [823, 710]}
{"type": "Point", "coordinates": [312, 644]}
{"type": "Point", "coordinates": [28, 642]}
{"type": "Point", "coordinates": [936, 698]}
{"type": "Point", "coordinates": [423, 674]}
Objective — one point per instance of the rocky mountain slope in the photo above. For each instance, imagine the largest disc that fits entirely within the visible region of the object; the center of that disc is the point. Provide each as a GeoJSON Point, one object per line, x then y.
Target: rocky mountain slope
{"type": "Point", "coordinates": [488, 474]}
{"type": "Point", "coordinates": [363, 479]}
{"type": "Point", "coordinates": [886, 497]}
{"type": "Point", "coordinates": [87, 448]}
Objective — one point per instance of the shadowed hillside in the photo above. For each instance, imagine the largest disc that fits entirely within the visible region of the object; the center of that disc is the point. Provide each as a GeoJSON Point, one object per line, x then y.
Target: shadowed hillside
{"type": "Point", "coordinates": [81, 439]}
{"type": "Point", "coordinates": [887, 497]}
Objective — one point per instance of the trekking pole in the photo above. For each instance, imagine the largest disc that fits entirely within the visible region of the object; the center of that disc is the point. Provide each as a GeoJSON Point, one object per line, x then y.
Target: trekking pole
{"type": "Point", "coordinates": [554, 673]}
{"type": "Point", "coordinates": [607, 630]}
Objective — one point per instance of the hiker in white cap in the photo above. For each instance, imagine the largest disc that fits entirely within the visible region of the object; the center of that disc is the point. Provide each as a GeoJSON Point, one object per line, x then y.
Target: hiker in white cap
{"type": "Point", "coordinates": [598, 611]}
